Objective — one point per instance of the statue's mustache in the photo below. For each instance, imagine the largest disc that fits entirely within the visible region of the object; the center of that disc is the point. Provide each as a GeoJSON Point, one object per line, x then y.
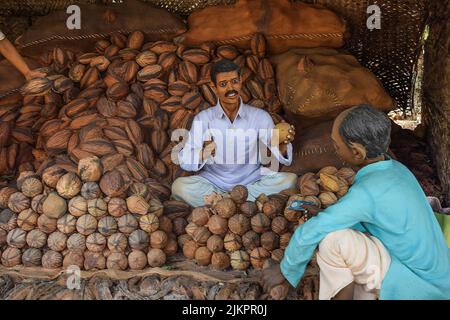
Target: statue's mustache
{"type": "Point", "coordinates": [229, 93]}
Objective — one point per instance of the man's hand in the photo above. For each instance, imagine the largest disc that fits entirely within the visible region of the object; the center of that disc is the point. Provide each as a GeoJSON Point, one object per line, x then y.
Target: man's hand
{"type": "Point", "coordinates": [312, 210]}
{"type": "Point", "coordinates": [283, 133]}
{"type": "Point", "coordinates": [272, 277]}
{"type": "Point", "coordinates": [284, 140]}
{"type": "Point", "coordinates": [34, 74]}
{"type": "Point", "coordinates": [209, 149]}
{"type": "Point", "coordinates": [291, 136]}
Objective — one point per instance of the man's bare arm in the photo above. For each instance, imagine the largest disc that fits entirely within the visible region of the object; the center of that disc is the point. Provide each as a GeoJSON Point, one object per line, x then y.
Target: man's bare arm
{"type": "Point", "coordinates": [8, 50]}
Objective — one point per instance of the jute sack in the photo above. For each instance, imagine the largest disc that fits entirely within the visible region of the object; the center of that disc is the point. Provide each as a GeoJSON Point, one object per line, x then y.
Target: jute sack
{"type": "Point", "coordinates": [320, 83]}
{"type": "Point", "coordinates": [284, 24]}
{"type": "Point", "coordinates": [313, 149]}
{"type": "Point", "coordinates": [97, 22]}
{"type": "Point", "coordinates": [11, 80]}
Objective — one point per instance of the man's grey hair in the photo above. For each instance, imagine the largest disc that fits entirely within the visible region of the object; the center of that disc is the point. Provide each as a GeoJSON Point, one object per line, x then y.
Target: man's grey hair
{"type": "Point", "coordinates": [369, 127]}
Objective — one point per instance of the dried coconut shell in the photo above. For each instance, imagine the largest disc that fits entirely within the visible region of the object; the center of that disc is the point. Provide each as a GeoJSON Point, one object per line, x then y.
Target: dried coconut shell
{"type": "Point", "coordinates": [232, 242]}
{"type": "Point", "coordinates": [226, 208]}
{"type": "Point", "coordinates": [46, 224]}
{"type": "Point", "coordinates": [137, 204]}
{"type": "Point", "coordinates": [76, 242]}
{"type": "Point", "coordinates": [251, 240]}
{"type": "Point", "coordinates": [215, 243]}
{"type": "Point", "coordinates": [270, 240]}
{"type": "Point", "coordinates": [54, 206]}
{"type": "Point", "coordinates": [189, 248]}
{"type": "Point", "coordinates": [258, 256]}
{"type": "Point", "coordinates": [27, 219]}
{"type": "Point", "coordinates": [260, 223]}
{"type": "Point", "coordinates": [117, 207]}
{"type": "Point", "coordinates": [239, 260]}
{"type": "Point", "coordinates": [117, 242]}
{"type": "Point", "coordinates": [69, 185]}
{"type": "Point", "coordinates": [127, 223]}
{"type": "Point", "coordinates": [90, 190]}
{"type": "Point", "coordinates": [52, 260]}
{"type": "Point", "coordinates": [112, 184]}
{"type": "Point", "coordinates": [220, 260]}
{"type": "Point", "coordinates": [171, 247]}
{"type": "Point", "coordinates": [57, 241]}
{"type": "Point", "coordinates": [156, 257]}
{"type": "Point", "coordinates": [97, 207]}
{"type": "Point", "coordinates": [5, 193]}
{"type": "Point", "coordinates": [239, 194]}
{"type": "Point", "coordinates": [216, 225]}
{"type": "Point", "coordinates": [203, 256]}
{"type": "Point", "coordinates": [158, 239]}
{"type": "Point", "coordinates": [18, 202]}
{"type": "Point", "coordinates": [52, 174]}
{"type": "Point", "coordinates": [200, 216]}
{"type": "Point", "coordinates": [73, 258]}
{"type": "Point", "coordinates": [137, 260]}
{"type": "Point", "coordinates": [78, 206]}
{"type": "Point", "coordinates": [239, 224]}
{"type": "Point", "coordinates": [117, 261]}
{"type": "Point", "coordinates": [31, 187]}
{"type": "Point", "coordinates": [37, 203]}
{"type": "Point", "coordinates": [36, 239]}
{"type": "Point", "coordinates": [67, 224]}
{"type": "Point", "coordinates": [90, 169]}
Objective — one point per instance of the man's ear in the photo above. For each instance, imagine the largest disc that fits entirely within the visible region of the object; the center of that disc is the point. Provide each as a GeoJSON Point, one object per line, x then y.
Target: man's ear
{"type": "Point", "coordinates": [358, 151]}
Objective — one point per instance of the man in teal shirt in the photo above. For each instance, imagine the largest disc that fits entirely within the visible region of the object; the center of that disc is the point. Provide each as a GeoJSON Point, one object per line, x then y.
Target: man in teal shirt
{"type": "Point", "coordinates": [380, 238]}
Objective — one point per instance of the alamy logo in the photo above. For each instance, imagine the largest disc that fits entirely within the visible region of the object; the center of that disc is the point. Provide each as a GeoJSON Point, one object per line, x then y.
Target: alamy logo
{"type": "Point", "coordinates": [73, 281]}
{"type": "Point", "coordinates": [232, 146]}
{"type": "Point", "coordinates": [374, 20]}
{"type": "Point", "coordinates": [74, 20]}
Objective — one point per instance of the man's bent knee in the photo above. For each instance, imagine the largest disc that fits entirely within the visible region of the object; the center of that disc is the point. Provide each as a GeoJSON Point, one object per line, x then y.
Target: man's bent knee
{"type": "Point", "coordinates": [178, 187]}
{"type": "Point", "coordinates": [290, 179]}
{"type": "Point", "coordinates": [335, 239]}
{"type": "Point", "coordinates": [287, 180]}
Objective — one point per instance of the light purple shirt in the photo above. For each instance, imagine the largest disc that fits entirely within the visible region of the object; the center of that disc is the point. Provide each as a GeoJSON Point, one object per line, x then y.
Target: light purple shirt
{"type": "Point", "coordinates": [237, 157]}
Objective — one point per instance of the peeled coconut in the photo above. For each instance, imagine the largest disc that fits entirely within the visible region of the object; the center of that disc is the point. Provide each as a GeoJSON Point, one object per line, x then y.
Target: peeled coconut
{"type": "Point", "coordinates": [90, 169]}
{"type": "Point", "coordinates": [54, 206]}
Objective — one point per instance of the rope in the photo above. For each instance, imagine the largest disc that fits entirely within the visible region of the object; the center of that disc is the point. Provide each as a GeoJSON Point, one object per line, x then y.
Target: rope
{"type": "Point", "coordinates": [330, 35]}
{"type": "Point", "coordinates": [95, 36]}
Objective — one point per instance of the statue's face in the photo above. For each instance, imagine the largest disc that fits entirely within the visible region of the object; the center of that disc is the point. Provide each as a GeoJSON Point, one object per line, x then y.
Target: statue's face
{"type": "Point", "coordinates": [228, 87]}
{"type": "Point", "coordinates": [353, 154]}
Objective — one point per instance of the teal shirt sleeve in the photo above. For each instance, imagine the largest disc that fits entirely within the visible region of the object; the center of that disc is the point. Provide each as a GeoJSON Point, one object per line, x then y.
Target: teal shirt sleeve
{"type": "Point", "coordinates": [359, 227]}
{"type": "Point", "coordinates": [348, 212]}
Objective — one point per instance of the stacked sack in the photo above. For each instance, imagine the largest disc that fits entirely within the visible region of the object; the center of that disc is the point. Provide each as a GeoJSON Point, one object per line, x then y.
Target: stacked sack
{"type": "Point", "coordinates": [231, 231]}
{"type": "Point", "coordinates": [121, 103]}
{"type": "Point", "coordinates": [87, 219]}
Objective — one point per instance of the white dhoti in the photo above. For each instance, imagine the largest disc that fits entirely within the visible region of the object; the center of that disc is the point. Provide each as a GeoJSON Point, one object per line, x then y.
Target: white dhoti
{"type": "Point", "coordinates": [347, 256]}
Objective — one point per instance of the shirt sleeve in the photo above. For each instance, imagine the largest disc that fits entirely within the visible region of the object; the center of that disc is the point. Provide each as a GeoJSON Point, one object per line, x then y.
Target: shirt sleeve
{"type": "Point", "coordinates": [349, 211]}
{"type": "Point", "coordinates": [2, 35]}
{"type": "Point", "coordinates": [267, 137]}
{"type": "Point", "coordinates": [189, 156]}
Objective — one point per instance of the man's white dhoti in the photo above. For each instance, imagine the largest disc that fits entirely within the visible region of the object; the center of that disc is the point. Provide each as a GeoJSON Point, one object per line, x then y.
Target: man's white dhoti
{"type": "Point", "coordinates": [347, 256]}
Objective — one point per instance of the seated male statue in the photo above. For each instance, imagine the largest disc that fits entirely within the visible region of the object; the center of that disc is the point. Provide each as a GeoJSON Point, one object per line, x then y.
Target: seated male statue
{"type": "Point", "coordinates": [228, 145]}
